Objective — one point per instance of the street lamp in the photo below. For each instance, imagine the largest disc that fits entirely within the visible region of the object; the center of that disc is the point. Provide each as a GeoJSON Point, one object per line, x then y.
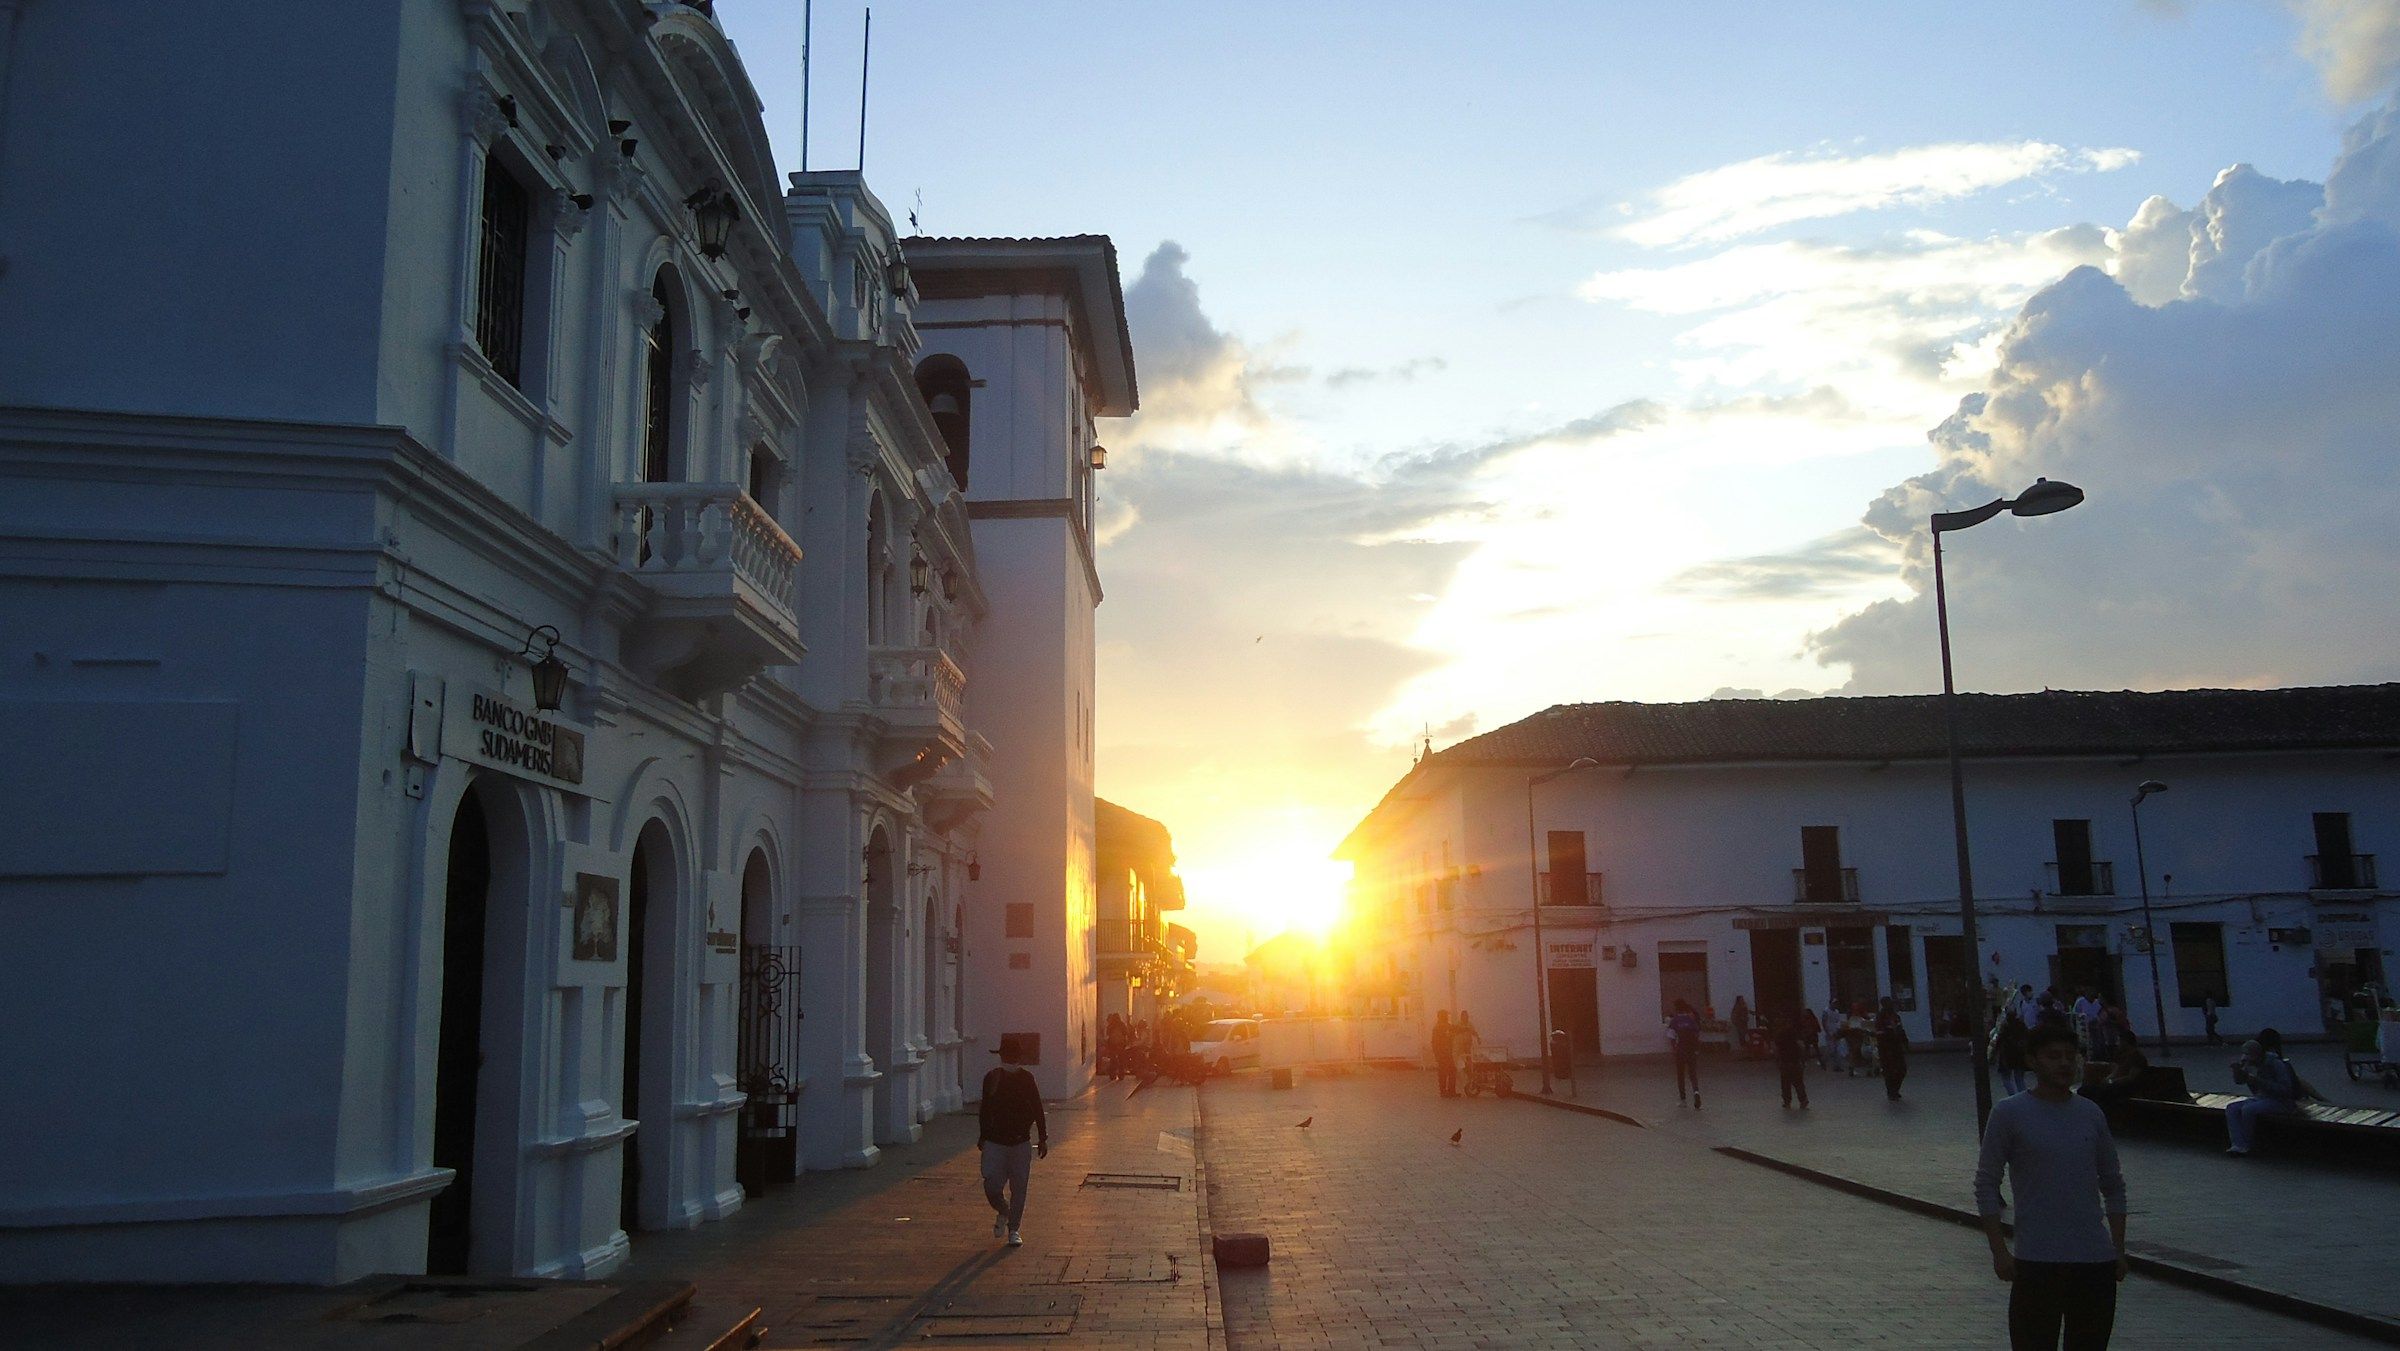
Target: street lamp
{"type": "Point", "coordinates": [1541, 958]}
{"type": "Point", "coordinates": [2158, 998]}
{"type": "Point", "coordinates": [2043, 498]}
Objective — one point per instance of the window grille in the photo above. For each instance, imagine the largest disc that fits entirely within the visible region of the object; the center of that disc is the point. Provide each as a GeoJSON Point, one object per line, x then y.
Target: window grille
{"type": "Point", "coordinates": [500, 276]}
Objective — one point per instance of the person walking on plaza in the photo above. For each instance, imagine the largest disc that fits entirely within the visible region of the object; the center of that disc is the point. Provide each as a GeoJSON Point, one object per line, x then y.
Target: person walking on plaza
{"type": "Point", "coordinates": [1445, 1055]}
{"type": "Point", "coordinates": [1789, 1028]}
{"type": "Point", "coordinates": [1013, 1131]}
{"type": "Point", "coordinates": [1741, 1025]}
{"type": "Point", "coordinates": [2008, 1052]}
{"type": "Point", "coordinates": [2208, 1019]}
{"type": "Point", "coordinates": [1113, 1045]}
{"type": "Point", "coordinates": [2087, 1017]}
{"type": "Point", "coordinates": [2063, 1173]}
{"type": "Point", "coordinates": [1814, 1031]}
{"type": "Point", "coordinates": [1683, 1038]}
{"type": "Point", "coordinates": [1891, 1047]}
{"type": "Point", "coordinates": [1836, 1045]}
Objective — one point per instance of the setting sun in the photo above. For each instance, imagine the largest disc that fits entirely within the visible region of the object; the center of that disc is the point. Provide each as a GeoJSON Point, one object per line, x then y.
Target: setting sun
{"type": "Point", "coordinates": [1268, 886]}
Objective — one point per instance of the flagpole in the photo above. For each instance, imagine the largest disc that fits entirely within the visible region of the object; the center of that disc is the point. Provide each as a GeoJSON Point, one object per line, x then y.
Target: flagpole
{"type": "Point", "coordinates": [866, 50]}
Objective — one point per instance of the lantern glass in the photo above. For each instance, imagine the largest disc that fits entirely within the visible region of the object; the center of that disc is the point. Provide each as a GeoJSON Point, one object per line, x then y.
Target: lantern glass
{"type": "Point", "coordinates": [549, 683]}
{"type": "Point", "coordinates": [714, 215]}
{"type": "Point", "coordinates": [918, 573]}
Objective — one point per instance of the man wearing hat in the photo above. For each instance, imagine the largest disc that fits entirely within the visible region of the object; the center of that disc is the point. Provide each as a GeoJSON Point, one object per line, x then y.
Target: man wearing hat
{"type": "Point", "coordinates": [1014, 1131]}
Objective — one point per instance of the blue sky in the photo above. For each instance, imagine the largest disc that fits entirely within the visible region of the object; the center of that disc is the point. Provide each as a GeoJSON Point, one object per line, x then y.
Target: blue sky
{"type": "Point", "coordinates": [1510, 355]}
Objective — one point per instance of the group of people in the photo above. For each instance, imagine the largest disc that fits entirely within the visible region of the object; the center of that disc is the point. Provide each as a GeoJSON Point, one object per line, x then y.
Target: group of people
{"type": "Point", "coordinates": [1453, 1042]}
{"type": "Point", "coordinates": [2102, 1031]}
{"type": "Point", "coordinates": [1856, 1041]}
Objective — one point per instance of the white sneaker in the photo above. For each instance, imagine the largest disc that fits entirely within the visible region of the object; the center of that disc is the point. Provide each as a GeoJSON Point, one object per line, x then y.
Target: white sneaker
{"type": "Point", "coordinates": [999, 1226]}
{"type": "Point", "coordinates": [1016, 1239]}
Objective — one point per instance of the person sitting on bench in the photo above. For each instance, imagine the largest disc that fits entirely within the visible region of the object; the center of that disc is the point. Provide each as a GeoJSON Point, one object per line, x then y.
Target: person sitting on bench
{"type": "Point", "coordinates": [2276, 1089]}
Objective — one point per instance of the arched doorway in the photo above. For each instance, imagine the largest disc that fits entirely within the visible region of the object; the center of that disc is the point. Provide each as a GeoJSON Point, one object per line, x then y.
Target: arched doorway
{"type": "Point", "coordinates": [458, 1049]}
{"type": "Point", "coordinates": [883, 922]}
{"type": "Point", "coordinates": [649, 961]}
{"type": "Point", "coordinates": [766, 1152]}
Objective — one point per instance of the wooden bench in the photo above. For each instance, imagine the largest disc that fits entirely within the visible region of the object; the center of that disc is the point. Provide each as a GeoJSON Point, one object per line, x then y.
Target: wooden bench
{"type": "Point", "coordinates": [2322, 1130]}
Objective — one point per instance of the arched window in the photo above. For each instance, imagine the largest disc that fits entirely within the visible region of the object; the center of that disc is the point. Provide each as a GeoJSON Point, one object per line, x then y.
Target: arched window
{"type": "Point", "coordinates": [878, 567]}
{"type": "Point", "coordinates": [658, 385]}
{"type": "Point", "coordinates": [943, 383]}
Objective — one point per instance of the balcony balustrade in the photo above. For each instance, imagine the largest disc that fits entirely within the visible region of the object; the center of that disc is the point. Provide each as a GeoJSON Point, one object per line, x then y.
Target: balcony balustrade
{"type": "Point", "coordinates": [722, 582]}
{"type": "Point", "coordinates": [2092, 879]}
{"type": "Point", "coordinates": [1572, 889]}
{"type": "Point", "coordinates": [2341, 872]}
{"type": "Point", "coordinates": [1832, 887]}
{"type": "Point", "coordinates": [921, 696]}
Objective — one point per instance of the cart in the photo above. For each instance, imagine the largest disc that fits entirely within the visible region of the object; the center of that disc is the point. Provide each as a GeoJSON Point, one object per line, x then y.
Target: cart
{"type": "Point", "coordinates": [1487, 1068]}
{"type": "Point", "coordinates": [2363, 1054]}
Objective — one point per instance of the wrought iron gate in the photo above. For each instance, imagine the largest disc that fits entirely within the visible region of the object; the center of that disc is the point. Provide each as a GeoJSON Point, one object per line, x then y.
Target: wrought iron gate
{"type": "Point", "coordinates": [768, 1148]}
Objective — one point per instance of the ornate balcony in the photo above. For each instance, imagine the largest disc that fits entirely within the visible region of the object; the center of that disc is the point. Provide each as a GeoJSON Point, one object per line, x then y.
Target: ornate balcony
{"type": "Point", "coordinates": [721, 580]}
{"type": "Point", "coordinates": [921, 697]}
{"type": "Point", "coordinates": [961, 791]}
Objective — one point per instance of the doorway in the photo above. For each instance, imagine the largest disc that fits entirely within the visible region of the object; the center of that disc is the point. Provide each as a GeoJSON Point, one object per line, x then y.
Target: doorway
{"type": "Point", "coordinates": [883, 1043]}
{"type": "Point", "coordinates": [1850, 965]}
{"type": "Point", "coordinates": [2085, 963]}
{"type": "Point", "coordinates": [765, 1152]}
{"type": "Point", "coordinates": [458, 1054]}
{"type": "Point", "coordinates": [646, 1048]}
{"type": "Point", "coordinates": [1946, 976]}
{"type": "Point", "coordinates": [1575, 1007]}
{"type": "Point", "coordinates": [1775, 971]}
{"type": "Point", "coordinates": [1684, 976]}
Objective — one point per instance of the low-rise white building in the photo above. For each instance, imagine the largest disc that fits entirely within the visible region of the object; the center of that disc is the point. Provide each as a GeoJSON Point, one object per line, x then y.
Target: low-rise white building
{"type": "Point", "coordinates": [506, 696]}
{"type": "Point", "coordinates": [1801, 851]}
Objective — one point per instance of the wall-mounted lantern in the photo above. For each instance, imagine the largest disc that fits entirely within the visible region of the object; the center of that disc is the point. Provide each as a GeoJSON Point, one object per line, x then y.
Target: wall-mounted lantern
{"type": "Point", "coordinates": [1099, 457]}
{"type": "Point", "coordinates": [549, 673]}
{"type": "Point", "coordinates": [975, 867]}
{"type": "Point", "coordinates": [920, 573]}
{"type": "Point", "coordinates": [895, 275]}
{"type": "Point", "coordinates": [714, 210]}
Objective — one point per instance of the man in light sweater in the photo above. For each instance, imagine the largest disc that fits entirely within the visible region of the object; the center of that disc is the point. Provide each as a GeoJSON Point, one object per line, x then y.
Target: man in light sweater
{"type": "Point", "coordinates": [2062, 1166]}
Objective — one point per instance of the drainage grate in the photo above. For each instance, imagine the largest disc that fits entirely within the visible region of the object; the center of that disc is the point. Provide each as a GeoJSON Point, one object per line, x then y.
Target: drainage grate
{"type": "Point", "coordinates": [1164, 1182]}
{"type": "Point", "coordinates": [1119, 1268]}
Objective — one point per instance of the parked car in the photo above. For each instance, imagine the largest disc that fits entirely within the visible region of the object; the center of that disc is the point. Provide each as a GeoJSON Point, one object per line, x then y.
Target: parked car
{"type": "Point", "coordinates": [1228, 1044]}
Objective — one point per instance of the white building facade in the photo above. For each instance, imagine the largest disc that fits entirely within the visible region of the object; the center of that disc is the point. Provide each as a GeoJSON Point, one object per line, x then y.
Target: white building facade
{"type": "Point", "coordinates": [484, 335]}
{"type": "Point", "coordinates": [1801, 852]}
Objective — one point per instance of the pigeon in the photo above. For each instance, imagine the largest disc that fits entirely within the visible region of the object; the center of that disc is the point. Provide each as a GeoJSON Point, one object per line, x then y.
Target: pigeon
{"type": "Point", "coordinates": [1458, 1135]}
{"type": "Point", "coordinates": [1307, 1122]}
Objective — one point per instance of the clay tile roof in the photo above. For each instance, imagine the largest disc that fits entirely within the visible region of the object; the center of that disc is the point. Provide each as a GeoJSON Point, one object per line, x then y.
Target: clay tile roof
{"type": "Point", "coordinates": [1910, 727]}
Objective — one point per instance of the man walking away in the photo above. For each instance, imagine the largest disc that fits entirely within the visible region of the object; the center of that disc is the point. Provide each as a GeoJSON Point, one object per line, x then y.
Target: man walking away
{"type": "Point", "coordinates": [1791, 1054]}
{"type": "Point", "coordinates": [2061, 1163]}
{"type": "Point", "coordinates": [1013, 1132]}
{"type": "Point", "coordinates": [1683, 1033]}
{"type": "Point", "coordinates": [1891, 1047]}
{"type": "Point", "coordinates": [1445, 1055]}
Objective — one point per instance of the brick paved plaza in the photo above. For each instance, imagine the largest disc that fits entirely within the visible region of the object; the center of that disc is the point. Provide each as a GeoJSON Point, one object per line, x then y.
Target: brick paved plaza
{"type": "Point", "coordinates": [1541, 1227]}
{"type": "Point", "coordinates": [1550, 1228]}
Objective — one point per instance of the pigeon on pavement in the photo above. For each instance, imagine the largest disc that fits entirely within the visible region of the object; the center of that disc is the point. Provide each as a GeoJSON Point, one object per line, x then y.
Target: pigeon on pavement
{"type": "Point", "coordinates": [1458, 1135]}
{"type": "Point", "coordinates": [1305, 1123]}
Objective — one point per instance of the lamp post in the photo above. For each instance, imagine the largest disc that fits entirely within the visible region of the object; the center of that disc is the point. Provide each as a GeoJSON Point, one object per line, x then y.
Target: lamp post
{"type": "Point", "coordinates": [2043, 498]}
{"type": "Point", "coordinates": [2158, 998]}
{"type": "Point", "coordinates": [1541, 957]}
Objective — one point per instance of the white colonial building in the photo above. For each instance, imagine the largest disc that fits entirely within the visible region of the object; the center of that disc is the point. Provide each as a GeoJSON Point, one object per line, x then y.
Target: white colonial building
{"type": "Point", "coordinates": [507, 702]}
{"type": "Point", "coordinates": [1802, 851]}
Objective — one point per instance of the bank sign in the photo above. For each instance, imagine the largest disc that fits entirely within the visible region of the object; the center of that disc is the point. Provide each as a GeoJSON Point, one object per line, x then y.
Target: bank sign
{"type": "Point", "coordinates": [493, 730]}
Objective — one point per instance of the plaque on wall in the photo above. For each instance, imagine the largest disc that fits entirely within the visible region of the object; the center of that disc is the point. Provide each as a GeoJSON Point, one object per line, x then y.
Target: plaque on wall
{"type": "Point", "coordinates": [595, 918]}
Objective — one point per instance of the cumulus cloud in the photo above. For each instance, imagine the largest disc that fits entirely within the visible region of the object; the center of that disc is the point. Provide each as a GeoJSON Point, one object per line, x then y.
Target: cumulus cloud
{"type": "Point", "coordinates": [2355, 44]}
{"type": "Point", "coordinates": [1755, 195]}
{"type": "Point", "coordinates": [1194, 376]}
{"type": "Point", "coordinates": [1886, 322]}
{"type": "Point", "coordinates": [2236, 442]}
{"type": "Point", "coordinates": [1838, 564]}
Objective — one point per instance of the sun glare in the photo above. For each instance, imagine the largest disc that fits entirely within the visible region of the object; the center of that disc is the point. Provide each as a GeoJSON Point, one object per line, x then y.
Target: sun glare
{"type": "Point", "coordinates": [1271, 887]}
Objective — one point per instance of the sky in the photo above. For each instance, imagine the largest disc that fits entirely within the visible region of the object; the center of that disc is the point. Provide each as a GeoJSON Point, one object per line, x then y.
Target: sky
{"type": "Point", "coordinates": [1500, 356]}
